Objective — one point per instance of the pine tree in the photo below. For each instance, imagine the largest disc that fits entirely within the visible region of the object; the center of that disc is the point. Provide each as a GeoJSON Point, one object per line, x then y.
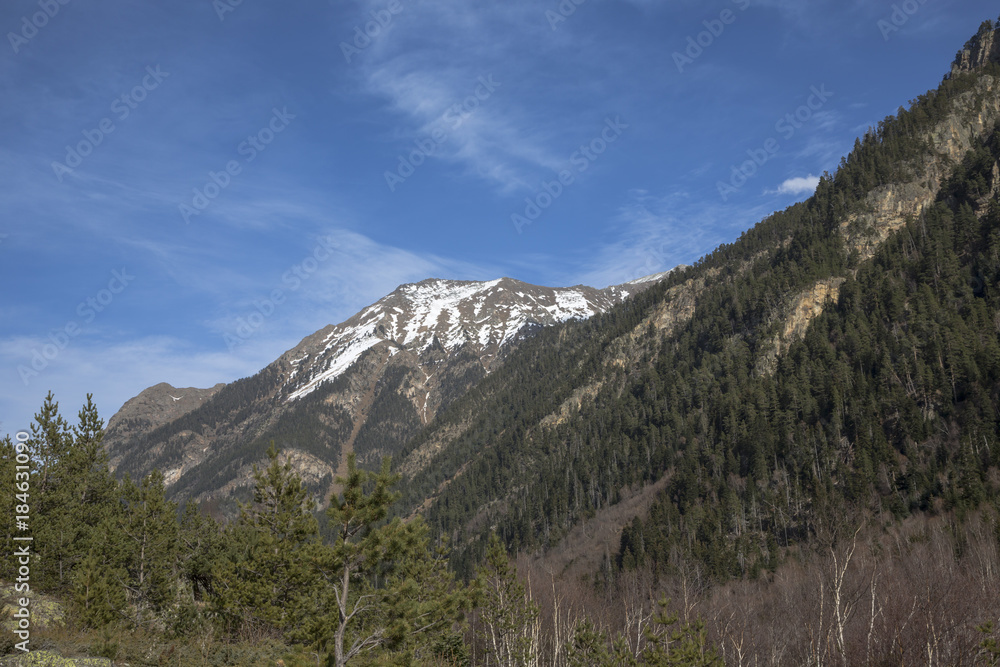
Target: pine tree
{"type": "Point", "coordinates": [424, 605]}
{"type": "Point", "coordinates": [587, 646]}
{"type": "Point", "coordinates": [8, 502]}
{"type": "Point", "coordinates": [149, 529]}
{"type": "Point", "coordinates": [686, 646]}
{"type": "Point", "coordinates": [370, 567]}
{"type": "Point", "coordinates": [98, 597]}
{"type": "Point", "coordinates": [266, 579]}
{"type": "Point", "coordinates": [75, 491]}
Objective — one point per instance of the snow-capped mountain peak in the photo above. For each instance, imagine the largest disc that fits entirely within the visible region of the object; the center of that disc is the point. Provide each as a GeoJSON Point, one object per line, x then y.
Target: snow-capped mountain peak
{"type": "Point", "coordinates": [485, 316]}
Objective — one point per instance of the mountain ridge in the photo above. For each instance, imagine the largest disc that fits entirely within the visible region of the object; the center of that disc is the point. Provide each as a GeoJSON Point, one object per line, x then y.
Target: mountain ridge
{"type": "Point", "coordinates": [425, 343]}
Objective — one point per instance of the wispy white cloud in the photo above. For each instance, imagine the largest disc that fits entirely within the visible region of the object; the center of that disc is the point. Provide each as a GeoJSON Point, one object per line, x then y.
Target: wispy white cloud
{"type": "Point", "coordinates": [654, 233]}
{"type": "Point", "coordinates": [112, 372]}
{"type": "Point", "coordinates": [798, 185]}
{"type": "Point", "coordinates": [415, 69]}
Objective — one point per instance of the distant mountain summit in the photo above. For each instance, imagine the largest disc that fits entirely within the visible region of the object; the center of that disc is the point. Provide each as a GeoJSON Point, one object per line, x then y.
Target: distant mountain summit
{"type": "Point", "coordinates": [364, 385]}
{"type": "Point", "coordinates": [154, 407]}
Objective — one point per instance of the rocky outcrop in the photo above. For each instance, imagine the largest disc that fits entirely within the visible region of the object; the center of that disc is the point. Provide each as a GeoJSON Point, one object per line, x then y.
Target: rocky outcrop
{"type": "Point", "coordinates": [889, 207]}
{"type": "Point", "coordinates": [676, 309]}
{"type": "Point", "coordinates": [801, 311]}
{"type": "Point", "coordinates": [979, 51]}
{"type": "Point", "coordinates": [572, 404]}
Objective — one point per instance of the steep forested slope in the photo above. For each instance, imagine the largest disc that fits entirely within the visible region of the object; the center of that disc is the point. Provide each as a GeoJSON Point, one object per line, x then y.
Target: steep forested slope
{"type": "Point", "coordinates": [842, 352]}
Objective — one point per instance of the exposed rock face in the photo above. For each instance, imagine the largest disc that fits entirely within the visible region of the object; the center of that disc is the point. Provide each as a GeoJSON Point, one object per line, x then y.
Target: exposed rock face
{"type": "Point", "coordinates": [677, 308]}
{"type": "Point", "coordinates": [982, 49]}
{"type": "Point", "coordinates": [890, 206]}
{"type": "Point", "coordinates": [807, 307]}
{"type": "Point", "coordinates": [803, 309]}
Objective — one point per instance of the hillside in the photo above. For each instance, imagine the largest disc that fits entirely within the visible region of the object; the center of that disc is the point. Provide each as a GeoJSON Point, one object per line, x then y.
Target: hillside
{"type": "Point", "coordinates": [841, 354]}
{"type": "Point", "coordinates": [366, 385]}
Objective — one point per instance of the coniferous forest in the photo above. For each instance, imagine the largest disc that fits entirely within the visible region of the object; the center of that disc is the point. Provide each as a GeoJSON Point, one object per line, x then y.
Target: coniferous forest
{"type": "Point", "coordinates": [831, 497]}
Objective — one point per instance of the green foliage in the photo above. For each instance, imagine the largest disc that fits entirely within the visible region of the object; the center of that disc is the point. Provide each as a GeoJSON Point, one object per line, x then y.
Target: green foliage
{"type": "Point", "coordinates": [687, 646]}
{"type": "Point", "coordinates": [98, 600]}
{"type": "Point", "coordinates": [990, 644]}
{"type": "Point", "coordinates": [265, 578]}
{"type": "Point", "coordinates": [130, 565]}
{"type": "Point", "coordinates": [588, 647]}
{"type": "Point", "coordinates": [74, 495]}
{"type": "Point", "coordinates": [150, 549]}
{"type": "Point", "coordinates": [384, 589]}
{"type": "Point", "coordinates": [8, 503]}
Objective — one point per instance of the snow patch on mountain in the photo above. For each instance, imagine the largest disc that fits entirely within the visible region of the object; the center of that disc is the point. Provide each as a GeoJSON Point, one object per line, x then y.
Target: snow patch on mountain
{"type": "Point", "coordinates": [487, 315]}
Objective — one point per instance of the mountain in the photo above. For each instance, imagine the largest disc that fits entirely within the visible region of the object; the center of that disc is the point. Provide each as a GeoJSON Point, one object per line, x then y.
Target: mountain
{"type": "Point", "coordinates": [364, 385]}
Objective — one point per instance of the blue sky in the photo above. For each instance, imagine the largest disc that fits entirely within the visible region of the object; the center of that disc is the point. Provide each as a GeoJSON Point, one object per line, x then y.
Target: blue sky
{"type": "Point", "coordinates": [169, 170]}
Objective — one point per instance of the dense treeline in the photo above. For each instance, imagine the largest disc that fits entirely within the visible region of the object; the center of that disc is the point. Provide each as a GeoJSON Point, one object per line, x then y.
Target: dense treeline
{"type": "Point", "coordinates": [131, 564]}
{"type": "Point", "coordinates": [891, 398]}
{"type": "Point", "coordinates": [146, 582]}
